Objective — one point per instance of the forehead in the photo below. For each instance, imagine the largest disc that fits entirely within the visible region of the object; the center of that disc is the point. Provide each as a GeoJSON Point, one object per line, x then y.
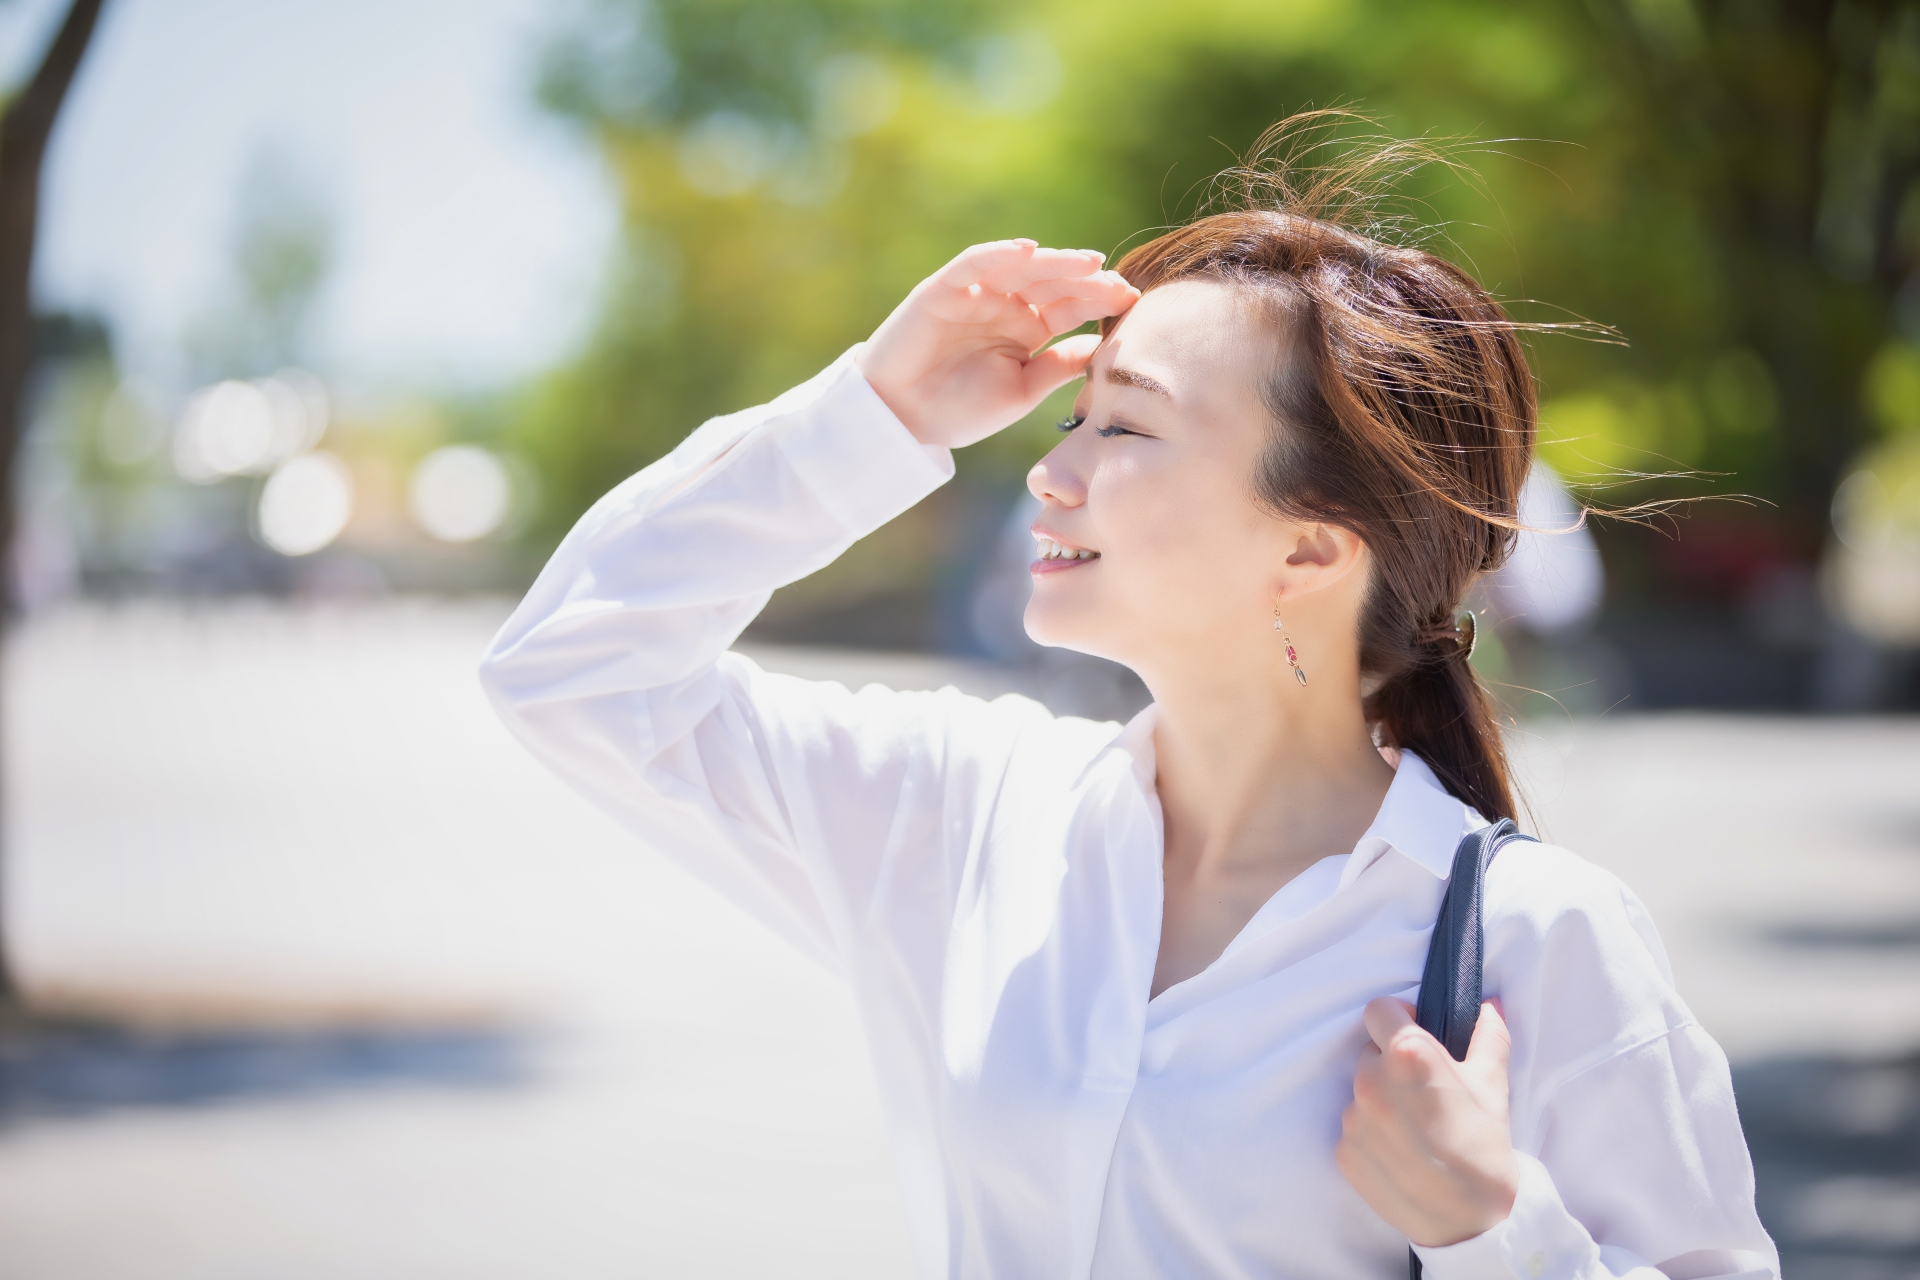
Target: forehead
{"type": "Point", "coordinates": [1201, 339]}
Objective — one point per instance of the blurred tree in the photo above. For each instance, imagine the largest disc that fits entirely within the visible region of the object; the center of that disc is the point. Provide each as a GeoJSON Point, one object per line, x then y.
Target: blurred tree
{"type": "Point", "coordinates": [282, 250]}
{"type": "Point", "coordinates": [24, 130]}
{"type": "Point", "coordinates": [1793, 129]}
{"type": "Point", "coordinates": [1729, 183]}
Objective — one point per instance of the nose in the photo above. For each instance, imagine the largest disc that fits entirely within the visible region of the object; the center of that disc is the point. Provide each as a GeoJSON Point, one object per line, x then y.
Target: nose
{"type": "Point", "coordinates": [1056, 480]}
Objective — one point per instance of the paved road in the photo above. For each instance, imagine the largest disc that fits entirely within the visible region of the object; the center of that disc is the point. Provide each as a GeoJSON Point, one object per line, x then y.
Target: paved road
{"type": "Point", "coordinates": [455, 1023]}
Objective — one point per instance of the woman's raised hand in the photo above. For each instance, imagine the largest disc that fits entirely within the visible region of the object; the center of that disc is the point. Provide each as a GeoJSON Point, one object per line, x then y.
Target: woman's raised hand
{"type": "Point", "coordinates": [961, 357]}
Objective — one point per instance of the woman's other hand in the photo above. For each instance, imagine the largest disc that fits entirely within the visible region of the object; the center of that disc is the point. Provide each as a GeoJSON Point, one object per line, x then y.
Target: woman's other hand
{"type": "Point", "coordinates": [961, 357]}
{"type": "Point", "coordinates": [1427, 1141]}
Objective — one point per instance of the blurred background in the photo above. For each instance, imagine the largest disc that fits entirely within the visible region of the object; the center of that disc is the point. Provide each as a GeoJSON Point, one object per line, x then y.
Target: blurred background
{"type": "Point", "coordinates": [335, 316]}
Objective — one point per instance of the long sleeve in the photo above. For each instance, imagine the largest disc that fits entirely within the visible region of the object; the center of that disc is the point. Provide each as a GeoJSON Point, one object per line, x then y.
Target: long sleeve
{"type": "Point", "coordinates": [1633, 1163]}
{"type": "Point", "coordinates": [783, 794]}
{"type": "Point", "coordinates": [1542, 1240]}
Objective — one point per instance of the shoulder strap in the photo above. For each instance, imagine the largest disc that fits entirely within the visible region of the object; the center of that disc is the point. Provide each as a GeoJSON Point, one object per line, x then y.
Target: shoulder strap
{"type": "Point", "coordinates": [1450, 986]}
{"type": "Point", "coordinates": [1449, 1003]}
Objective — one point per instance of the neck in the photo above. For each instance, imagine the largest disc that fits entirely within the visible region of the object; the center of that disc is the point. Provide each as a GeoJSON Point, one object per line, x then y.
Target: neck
{"type": "Point", "coordinates": [1257, 773]}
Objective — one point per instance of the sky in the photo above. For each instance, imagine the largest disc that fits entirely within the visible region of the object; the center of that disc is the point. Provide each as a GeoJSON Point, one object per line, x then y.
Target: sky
{"type": "Point", "coordinates": [471, 230]}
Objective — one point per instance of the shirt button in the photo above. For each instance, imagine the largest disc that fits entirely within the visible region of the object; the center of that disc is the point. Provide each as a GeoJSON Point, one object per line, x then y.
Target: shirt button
{"type": "Point", "coordinates": [1537, 1265]}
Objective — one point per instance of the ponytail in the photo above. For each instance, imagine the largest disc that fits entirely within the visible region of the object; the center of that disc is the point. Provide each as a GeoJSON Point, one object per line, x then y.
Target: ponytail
{"type": "Point", "coordinates": [1437, 709]}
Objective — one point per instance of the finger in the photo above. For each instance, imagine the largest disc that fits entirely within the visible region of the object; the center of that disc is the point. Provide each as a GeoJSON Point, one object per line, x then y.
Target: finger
{"type": "Point", "coordinates": [972, 263]}
{"type": "Point", "coordinates": [1058, 365]}
{"type": "Point", "coordinates": [1071, 313]}
{"type": "Point", "coordinates": [1492, 1043]}
{"type": "Point", "coordinates": [1387, 1018]}
{"type": "Point", "coordinates": [1367, 1085]}
{"type": "Point", "coordinates": [1021, 327]}
{"type": "Point", "coordinates": [1100, 284]}
{"type": "Point", "coordinates": [1002, 314]}
{"type": "Point", "coordinates": [1009, 265]}
{"type": "Point", "coordinates": [1043, 265]}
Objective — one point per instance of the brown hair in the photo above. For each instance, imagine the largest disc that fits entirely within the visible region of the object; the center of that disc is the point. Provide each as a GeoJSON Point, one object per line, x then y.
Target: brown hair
{"type": "Point", "coordinates": [1404, 410]}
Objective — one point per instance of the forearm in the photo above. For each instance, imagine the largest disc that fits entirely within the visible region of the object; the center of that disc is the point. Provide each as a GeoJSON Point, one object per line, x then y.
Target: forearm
{"type": "Point", "coordinates": [664, 572]}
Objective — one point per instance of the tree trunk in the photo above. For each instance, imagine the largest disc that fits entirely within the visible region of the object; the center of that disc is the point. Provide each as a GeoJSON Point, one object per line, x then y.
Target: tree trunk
{"type": "Point", "coordinates": [24, 131]}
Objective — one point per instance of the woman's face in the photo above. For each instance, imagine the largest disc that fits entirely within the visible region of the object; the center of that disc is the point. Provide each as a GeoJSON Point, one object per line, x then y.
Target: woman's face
{"type": "Point", "coordinates": [1157, 479]}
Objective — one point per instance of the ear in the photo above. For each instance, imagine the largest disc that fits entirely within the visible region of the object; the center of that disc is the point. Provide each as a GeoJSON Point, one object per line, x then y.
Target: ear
{"type": "Point", "coordinates": [1322, 555]}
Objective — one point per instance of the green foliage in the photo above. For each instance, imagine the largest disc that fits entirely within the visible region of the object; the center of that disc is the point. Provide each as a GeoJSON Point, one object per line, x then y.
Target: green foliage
{"type": "Point", "coordinates": [1731, 186]}
{"type": "Point", "coordinates": [1893, 389]}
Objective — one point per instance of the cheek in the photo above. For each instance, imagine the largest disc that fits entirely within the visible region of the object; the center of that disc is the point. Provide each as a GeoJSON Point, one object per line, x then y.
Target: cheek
{"type": "Point", "coordinates": [1185, 556]}
{"type": "Point", "coordinates": [1185, 537]}
{"type": "Point", "coordinates": [1142, 524]}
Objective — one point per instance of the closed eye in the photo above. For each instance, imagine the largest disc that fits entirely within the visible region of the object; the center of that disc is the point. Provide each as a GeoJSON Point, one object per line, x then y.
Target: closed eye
{"type": "Point", "coordinates": [1109, 431]}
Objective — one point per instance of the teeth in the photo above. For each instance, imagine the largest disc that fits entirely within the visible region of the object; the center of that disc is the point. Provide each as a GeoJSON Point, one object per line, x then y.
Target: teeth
{"type": "Point", "coordinates": [1051, 550]}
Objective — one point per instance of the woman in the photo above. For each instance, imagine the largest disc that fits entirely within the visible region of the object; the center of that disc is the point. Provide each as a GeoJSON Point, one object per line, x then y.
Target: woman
{"type": "Point", "coordinates": [1136, 996]}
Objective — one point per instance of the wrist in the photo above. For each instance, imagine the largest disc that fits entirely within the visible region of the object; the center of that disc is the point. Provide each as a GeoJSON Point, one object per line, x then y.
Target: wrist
{"type": "Point", "coordinates": [844, 443]}
{"type": "Point", "coordinates": [1497, 1193]}
{"type": "Point", "coordinates": [890, 394]}
{"type": "Point", "coordinates": [1486, 1199]}
{"type": "Point", "coordinates": [1538, 1239]}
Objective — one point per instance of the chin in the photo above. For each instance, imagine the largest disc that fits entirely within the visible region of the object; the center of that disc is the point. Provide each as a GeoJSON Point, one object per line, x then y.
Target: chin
{"type": "Point", "coordinates": [1049, 623]}
{"type": "Point", "coordinates": [1044, 624]}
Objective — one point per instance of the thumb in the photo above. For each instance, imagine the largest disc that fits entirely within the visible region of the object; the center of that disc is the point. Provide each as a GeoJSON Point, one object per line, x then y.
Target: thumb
{"type": "Point", "coordinates": [1386, 1018]}
{"type": "Point", "coordinates": [1491, 1046]}
{"type": "Point", "coordinates": [1059, 364]}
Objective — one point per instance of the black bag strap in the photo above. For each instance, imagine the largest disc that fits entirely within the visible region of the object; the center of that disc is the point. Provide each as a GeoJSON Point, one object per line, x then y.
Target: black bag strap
{"type": "Point", "coordinates": [1449, 1004]}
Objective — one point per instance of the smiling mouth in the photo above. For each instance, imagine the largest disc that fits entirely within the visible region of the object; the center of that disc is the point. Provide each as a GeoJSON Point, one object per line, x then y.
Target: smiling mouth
{"type": "Point", "coordinates": [1051, 550]}
{"type": "Point", "coordinates": [1053, 556]}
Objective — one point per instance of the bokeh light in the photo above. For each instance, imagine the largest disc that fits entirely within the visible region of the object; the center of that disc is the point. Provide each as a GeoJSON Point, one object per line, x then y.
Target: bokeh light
{"type": "Point", "coordinates": [856, 94]}
{"type": "Point", "coordinates": [300, 410]}
{"type": "Point", "coordinates": [1017, 73]}
{"type": "Point", "coordinates": [305, 504]}
{"type": "Point", "coordinates": [459, 493]}
{"type": "Point", "coordinates": [1873, 573]}
{"type": "Point", "coordinates": [727, 153]}
{"type": "Point", "coordinates": [247, 428]}
{"type": "Point", "coordinates": [225, 429]}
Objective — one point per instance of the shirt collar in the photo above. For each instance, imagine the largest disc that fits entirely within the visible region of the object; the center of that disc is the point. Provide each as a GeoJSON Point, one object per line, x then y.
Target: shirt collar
{"type": "Point", "coordinates": [1136, 740]}
{"type": "Point", "coordinates": [1420, 820]}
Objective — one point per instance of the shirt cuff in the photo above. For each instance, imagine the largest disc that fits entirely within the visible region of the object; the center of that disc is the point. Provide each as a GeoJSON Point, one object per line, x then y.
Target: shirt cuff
{"type": "Point", "coordinates": [851, 451]}
{"type": "Point", "coordinates": [1539, 1240]}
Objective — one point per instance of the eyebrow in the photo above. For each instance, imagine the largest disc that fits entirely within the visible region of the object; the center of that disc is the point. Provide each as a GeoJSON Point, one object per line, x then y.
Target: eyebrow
{"type": "Point", "coordinates": [1129, 378]}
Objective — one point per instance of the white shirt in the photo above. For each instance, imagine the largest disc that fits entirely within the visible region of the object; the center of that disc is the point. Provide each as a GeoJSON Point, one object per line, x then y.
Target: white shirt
{"type": "Point", "coordinates": [987, 876]}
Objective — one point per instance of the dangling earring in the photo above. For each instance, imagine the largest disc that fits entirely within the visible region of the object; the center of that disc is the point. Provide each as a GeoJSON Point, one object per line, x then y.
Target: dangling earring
{"type": "Point", "coordinates": [1293, 659]}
